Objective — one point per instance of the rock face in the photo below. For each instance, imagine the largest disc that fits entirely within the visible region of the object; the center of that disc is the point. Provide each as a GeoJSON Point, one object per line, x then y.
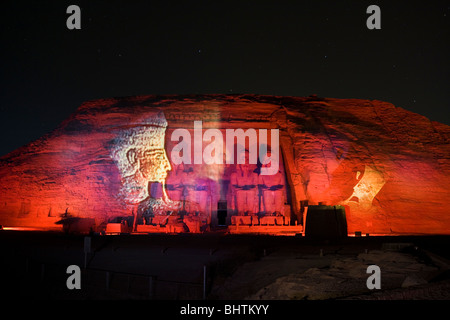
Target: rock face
{"type": "Point", "coordinates": [389, 167]}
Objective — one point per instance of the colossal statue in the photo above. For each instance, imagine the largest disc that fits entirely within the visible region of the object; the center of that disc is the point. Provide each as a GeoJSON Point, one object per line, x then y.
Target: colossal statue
{"type": "Point", "coordinates": [244, 187]}
{"type": "Point", "coordinates": [273, 189]}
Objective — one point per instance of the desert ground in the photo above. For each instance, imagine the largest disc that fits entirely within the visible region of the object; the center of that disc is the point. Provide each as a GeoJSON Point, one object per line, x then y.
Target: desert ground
{"type": "Point", "coordinates": [220, 266]}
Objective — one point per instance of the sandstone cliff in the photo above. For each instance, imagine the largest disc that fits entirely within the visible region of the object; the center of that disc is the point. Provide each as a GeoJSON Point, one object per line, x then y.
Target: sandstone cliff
{"type": "Point", "coordinates": [388, 166]}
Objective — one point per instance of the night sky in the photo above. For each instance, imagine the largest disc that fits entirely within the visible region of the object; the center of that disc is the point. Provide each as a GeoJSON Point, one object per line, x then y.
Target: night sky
{"type": "Point", "coordinates": [294, 48]}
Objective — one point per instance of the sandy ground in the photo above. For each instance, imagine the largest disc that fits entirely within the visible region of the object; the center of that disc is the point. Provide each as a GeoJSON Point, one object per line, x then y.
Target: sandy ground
{"type": "Point", "coordinates": [238, 267]}
{"type": "Point", "coordinates": [330, 276]}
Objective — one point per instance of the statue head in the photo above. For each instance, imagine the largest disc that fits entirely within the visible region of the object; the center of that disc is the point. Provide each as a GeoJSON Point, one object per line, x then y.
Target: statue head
{"type": "Point", "coordinates": [138, 151]}
{"type": "Point", "coordinates": [270, 162]}
{"type": "Point", "coordinates": [244, 160]}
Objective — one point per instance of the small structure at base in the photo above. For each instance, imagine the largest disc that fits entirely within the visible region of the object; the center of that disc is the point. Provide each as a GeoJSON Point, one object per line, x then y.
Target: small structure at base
{"type": "Point", "coordinates": [269, 225]}
{"type": "Point", "coordinates": [325, 222]}
{"type": "Point", "coordinates": [117, 228]}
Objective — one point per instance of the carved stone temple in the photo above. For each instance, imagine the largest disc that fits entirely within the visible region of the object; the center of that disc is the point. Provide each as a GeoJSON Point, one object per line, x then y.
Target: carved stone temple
{"type": "Point", "coordinates": [114, 166]}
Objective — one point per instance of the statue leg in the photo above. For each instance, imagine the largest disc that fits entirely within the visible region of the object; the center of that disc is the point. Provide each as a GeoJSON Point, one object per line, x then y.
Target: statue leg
{"type": "Point", "coordinates": [279, 201]}
{"type": "Point", "coordinates": [251, 201]}
{"type": "Point", "coordinates": [202, 197]}
{"type": "Point", "coordinates": [192, 201]}
{"type": "Point", "coordinates": [266, 199]}
{"type": "Point", "coordinates": [175, 195]}
{"type": "Point", "coordinates": [240, 202]}
{"type": "Point", "coordinates": [270, 201]}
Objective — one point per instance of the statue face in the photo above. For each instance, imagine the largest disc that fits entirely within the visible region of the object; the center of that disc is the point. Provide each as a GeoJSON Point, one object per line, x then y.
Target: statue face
{"type": "Point", "coordinates": [154, 164]}
{"type": "Point", "coordinates": [245, 158]}
{"type": "Point", "coordinates": [141, 158]}
{"type": "Point", "coordinates": [367, 188]}
{"type": "Point", "coordinates": [269, 161]}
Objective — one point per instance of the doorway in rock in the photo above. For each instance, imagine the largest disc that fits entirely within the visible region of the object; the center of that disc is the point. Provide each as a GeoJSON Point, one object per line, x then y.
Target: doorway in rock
{"type": "Point", "coordinates": [222, 213]}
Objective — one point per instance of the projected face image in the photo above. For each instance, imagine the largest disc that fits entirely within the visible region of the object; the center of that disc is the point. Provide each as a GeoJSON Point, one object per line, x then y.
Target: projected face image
{"type": "Point", "coordinates": [141, 158]}
{"type": "Point", "coordinates": [153, 164]}
{"type": "Point", "coordinates": [367, 188]}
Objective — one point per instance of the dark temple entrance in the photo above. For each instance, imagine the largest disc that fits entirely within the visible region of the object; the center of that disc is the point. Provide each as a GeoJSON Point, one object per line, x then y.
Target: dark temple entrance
{"type": "Point", "coordinates": [222, 213]}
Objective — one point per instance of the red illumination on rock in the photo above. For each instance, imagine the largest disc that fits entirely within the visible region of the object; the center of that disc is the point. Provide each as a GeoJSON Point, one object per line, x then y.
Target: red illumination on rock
{"type": "Point", "coordinates": [389, 167]}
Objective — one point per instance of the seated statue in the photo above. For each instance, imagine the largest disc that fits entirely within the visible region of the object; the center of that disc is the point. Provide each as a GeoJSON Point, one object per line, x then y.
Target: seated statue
{"type": "Point", "coordinates": [273, 189]}
{"type": "Point", "coordinates": [244, 183]}
{"type": "Point", "coordinates": [196, 193]}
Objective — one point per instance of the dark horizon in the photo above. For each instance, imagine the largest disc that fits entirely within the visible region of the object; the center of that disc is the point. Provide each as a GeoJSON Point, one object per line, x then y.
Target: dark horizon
{"type": "Point", "coordinates": [254, 47]}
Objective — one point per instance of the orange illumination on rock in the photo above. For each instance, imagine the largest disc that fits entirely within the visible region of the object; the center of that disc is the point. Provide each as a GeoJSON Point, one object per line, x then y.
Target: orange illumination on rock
{"type": "Point", "coordinates": [111, 162]}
